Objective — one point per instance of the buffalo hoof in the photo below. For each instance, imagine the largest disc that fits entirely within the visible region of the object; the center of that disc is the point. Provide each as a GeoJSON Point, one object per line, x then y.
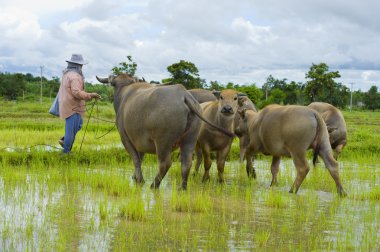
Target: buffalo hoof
{"type": "Point", "coordinates": [183, 187]}
{"type": "Point", "coordinates": [156, 184]}
{"type": "Point", "coordinates": [342, 193]}
{"type": "Point", "coordinates": [206, 178]}
{"type": "Point", "coordinates": [293, 191]}
{"type": "Point", "coordinates": [138, 180]}
{"type": "Point", "coordinates": [274, 183]}
{"type": "Point", "coordinates": [252, 175]}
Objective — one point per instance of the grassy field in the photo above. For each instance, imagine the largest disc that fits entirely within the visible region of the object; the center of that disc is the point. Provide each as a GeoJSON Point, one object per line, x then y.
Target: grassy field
{"type": "Point", "coordinates": [88, 201]}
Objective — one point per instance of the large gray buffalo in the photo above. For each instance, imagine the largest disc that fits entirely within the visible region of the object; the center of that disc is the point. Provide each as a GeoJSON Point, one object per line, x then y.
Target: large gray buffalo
{"type": "Point", "coordinates": [202, 95]}
{"type": "Point", "coordinates": [222, 113]}
{"type": "Point", "coordinates": [157, 120]}
{"type": "Point", "coordinates": [288, 131]}
{"type": "Point", "coordinates": [336, 125]}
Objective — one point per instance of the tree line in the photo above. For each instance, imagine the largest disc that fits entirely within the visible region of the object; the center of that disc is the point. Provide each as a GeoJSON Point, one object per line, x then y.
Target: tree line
{"type": "Point", "coordinates": [320, 85]}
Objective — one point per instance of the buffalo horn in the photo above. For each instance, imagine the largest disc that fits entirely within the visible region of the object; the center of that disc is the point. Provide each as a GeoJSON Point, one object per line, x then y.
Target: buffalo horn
{"type": "Point", "coordinates": [102, 80]}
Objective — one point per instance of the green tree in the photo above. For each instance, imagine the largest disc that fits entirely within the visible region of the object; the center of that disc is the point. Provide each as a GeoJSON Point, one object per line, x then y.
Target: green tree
{"type": "Point", "coordinates": [321, 84]}
{"type": "Point", "coordinates": [12, 85]}
{"type": "Point", "coordinates": [186, 73]}
{"type": "Point", "coordinates": [128, 67]}
{"type": "Point", "coordinates": [214, 85]}
{"type": "Point", "coordinates": [358, 98]}
{"type": "Point", "coordinates": [277, 96]}
{"type": "Point", "coordinates": [292, 92]}
{"type": "Point", "coordinates": [254, 93]}
{"type": "Point", "coordinates": [372, 99]}
{"type": "Point", "coordinates": [338, 96]}
{"type": "Point", "coordinates": [52, 87]}
{"type": "Point", "coordinates": [272, 83]}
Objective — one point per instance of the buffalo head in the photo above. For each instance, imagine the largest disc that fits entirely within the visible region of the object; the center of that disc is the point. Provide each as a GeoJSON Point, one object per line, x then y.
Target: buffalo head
{"type": "Point", "coordinates": [118, 80]}
{"type": "Point", "coordinates": [228, 101]}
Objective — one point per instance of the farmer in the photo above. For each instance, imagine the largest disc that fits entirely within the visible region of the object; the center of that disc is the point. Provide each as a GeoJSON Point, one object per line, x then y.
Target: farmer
{"type": "Point", "coordinates": [71, 98]}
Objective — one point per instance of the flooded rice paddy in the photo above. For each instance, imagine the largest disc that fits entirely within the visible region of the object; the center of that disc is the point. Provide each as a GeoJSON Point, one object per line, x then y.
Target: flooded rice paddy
{"type": "Point", "coordinates": [80, 207]}
{"type": "Point", "coordinates": [88, 202]}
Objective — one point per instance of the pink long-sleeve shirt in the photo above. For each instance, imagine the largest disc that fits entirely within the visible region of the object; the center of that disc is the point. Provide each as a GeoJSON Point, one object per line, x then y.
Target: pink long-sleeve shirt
{"type": "Point", "coordinates": [71, 95]}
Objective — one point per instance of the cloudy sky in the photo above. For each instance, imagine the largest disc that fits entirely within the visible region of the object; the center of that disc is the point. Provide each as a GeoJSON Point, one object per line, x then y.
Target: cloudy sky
{"type": "Point", "coordinates": [240, 41]}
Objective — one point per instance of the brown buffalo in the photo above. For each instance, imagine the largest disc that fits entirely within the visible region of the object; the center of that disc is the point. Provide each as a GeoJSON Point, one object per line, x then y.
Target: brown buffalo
{"type": "Point", "coordinates": [202, 95]}
{"type": "Point", "coordinates": [244, 104]}
{"type": "Point", "coordinates": [335, 123]}
{"type": "Point", "coordinates": [288, 131]}
{"type": "Point", "coordinates": [220, 112]}
{"type": "Point", "coordinates": [156, 120]}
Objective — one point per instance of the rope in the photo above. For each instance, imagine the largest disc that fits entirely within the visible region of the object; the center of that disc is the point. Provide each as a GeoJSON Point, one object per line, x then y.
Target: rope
{"type": "Point", "coordinates": [85, 130]}
{"type": "Point", "coordinates": [76, 110]}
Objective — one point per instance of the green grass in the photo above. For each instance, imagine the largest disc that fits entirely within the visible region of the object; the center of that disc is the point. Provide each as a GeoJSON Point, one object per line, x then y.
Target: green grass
{"type": "Point", "coordinates": [88, 201]}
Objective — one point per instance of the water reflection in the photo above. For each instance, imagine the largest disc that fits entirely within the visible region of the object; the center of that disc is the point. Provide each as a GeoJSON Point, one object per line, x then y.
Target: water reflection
{"type": "Point", "coordinates": [43, 211]}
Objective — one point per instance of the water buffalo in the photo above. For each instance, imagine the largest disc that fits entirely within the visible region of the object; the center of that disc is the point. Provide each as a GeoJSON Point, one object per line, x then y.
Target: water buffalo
{"type": "Point", "coordinates": [202, 95]}
{"type": "Point", "coordinates": [335, 123]}
{"type": "Point", "coordinates": [244, 104]}
{"type": "Point", "coordinates": [288, 131]}
{"type": "Point", "coordinates": [220, 112]}
{"type": "Point", "coordinates": [156, 120]}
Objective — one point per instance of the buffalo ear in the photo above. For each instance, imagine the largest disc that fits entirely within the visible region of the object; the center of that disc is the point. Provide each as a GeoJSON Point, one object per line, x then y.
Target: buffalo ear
{"type": "Point", "coordinates": [241, 98]}
{"type": "Point", "coordinates": [331, 129]}
{"type": "Point", "coordinates": [242, 112]}
{"type": "Point", "coordinates": [216, 93]}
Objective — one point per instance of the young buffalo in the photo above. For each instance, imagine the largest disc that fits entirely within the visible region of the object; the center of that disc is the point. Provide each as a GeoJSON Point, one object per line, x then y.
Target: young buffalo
{"type": "Point", "coordinates": [288, 131]}
{"type": "Point", "coordinates": [221, 113]}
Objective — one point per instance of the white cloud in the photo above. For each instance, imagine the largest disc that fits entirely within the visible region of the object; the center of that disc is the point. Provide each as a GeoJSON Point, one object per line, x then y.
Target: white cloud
{"type": "Point", "coordinates": [19, 28]}
{"type": "Point", "coordinates": [240, 41]}
{"type": "Point", "coordinates": [40, 7]}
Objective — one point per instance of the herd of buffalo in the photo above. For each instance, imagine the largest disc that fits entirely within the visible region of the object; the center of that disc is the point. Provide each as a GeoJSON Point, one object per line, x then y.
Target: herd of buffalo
{"type": "Point", "coordinates": [158, 119]}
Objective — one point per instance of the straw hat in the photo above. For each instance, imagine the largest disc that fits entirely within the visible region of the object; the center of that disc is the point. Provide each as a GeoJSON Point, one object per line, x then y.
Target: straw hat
{"type": "Point", "coordinates": [77, 59]}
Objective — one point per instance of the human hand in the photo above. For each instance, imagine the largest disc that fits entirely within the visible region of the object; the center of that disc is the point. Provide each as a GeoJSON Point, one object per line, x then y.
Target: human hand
{"type": "Point", "coordinates": [95, 95]}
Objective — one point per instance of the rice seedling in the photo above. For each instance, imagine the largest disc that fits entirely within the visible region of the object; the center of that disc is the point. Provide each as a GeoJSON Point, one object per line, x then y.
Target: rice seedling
{"type": "Point", "coordinates": [88, 201]}
{"type": "Point", "coordinates": [261, 238]}
{"type": "Point", "coordinates": [134, 209]}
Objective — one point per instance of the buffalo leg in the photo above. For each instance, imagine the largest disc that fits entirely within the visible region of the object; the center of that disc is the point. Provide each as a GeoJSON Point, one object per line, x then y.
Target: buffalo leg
{"type": "Point", "coordinates": [303, 168]}
{"type": "Point", "coordinates": [243, 149]}
{"type": "Point", "coordinates": [333, 168]}
{"type": "Point", "coordinates": [274, 169]}
{"type": "Point", "coordinates": [138, 176]}
{"type": "Point", "coordinates": [137, 157]}
{"type": "Point", "coordinates": [207, 163]}
{"type": "Point", "coordinates": [186, 159]}
{"type": "Point", "coordinates": [221, 161]}
{"type": "Point", "coordinates": [187, 148]}
{"type": "Point", "coordinates": [251, 173]}
{"type": "Point", "coordinates": [198, 153]}
{"type": "Point", "coordinates": [165, 162]}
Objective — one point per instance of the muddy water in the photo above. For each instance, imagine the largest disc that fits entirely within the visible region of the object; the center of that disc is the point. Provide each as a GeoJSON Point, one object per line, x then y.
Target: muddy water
{"type": "Point", "coordinates": [62, 209]}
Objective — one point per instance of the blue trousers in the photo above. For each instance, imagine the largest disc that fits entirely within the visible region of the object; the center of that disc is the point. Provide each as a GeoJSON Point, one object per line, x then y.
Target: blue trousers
{"type": "Point", "coordinates": [73, 125]}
